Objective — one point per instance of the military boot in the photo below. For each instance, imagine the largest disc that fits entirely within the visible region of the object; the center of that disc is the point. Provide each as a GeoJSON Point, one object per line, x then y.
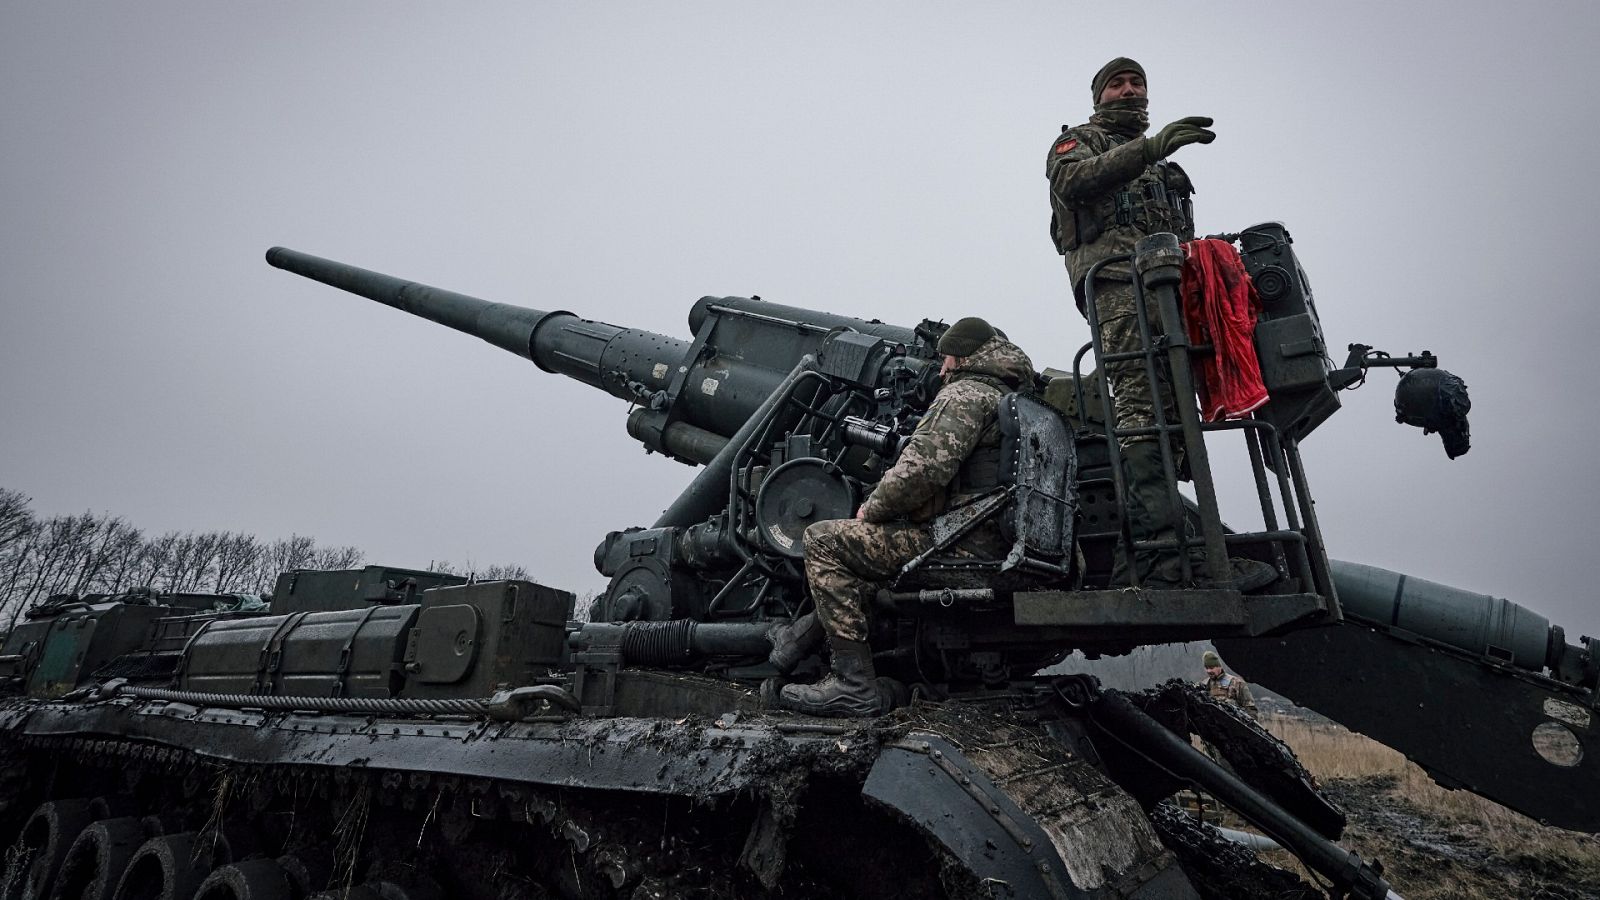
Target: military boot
{"type": "Point", "coordinates": [1152, 517]}
{"type": "Point", "coordinates": [794, 641]}
{"type": "Point", "coordinates": [851, 689]}
{"type": "Point", "coordinates": [1246, 575]}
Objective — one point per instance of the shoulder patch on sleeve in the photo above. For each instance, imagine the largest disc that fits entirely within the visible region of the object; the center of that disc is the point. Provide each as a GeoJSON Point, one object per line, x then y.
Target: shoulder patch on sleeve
{"type": "Point", "coordinates": [1066, 145]}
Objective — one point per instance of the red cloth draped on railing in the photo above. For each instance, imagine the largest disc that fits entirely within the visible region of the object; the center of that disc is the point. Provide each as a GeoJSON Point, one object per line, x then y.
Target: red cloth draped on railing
{"type": "Point", "coordinates": [1220, 306]}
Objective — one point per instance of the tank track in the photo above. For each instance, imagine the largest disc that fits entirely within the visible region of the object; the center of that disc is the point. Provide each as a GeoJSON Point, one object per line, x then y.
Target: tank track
{"type": "Point", "coordinates": [1221, 869]}
{"type": "Point", "coordinates": [405, 835]}
{"type": "Point", "coordinates": [346, 823]}
{"type": "Point", "coordinates": [959, 800]}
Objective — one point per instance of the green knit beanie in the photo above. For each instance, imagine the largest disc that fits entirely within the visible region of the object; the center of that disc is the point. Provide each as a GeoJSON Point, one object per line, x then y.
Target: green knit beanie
{"type": "Point", "coordinates": [1120, 64]}
{"type": "Point", "coordinates": [1210, 659]}
{"type": "Point", "coordinates": [965, 337]}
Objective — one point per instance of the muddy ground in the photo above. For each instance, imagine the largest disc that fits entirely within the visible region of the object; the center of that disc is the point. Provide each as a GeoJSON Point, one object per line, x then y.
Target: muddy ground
{"type": "Point", "coordinates": [1427, 857]}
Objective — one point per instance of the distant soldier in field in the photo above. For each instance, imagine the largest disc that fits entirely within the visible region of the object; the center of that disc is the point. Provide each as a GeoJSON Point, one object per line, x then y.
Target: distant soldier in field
{"type": "Point", "coordinates": [1223, 685]}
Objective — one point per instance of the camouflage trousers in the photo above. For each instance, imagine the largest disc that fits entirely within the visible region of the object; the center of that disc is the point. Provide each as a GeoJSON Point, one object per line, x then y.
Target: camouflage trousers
{"type": "Point", "coordinates": [847, 560]}
{"type": "Point", "coordinates": [1151, 514]}
{"type": "Point", "coordinates": [1132, 398]}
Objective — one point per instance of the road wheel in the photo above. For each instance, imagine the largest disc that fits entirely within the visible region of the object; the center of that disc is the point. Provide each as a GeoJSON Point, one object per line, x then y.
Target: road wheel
{"type": "Point", "coordinates": [40, 848]}
{"type": "Point", "coordinates": [253, 879]}
{"type": "Point", "coordinates": [169, 867]}
{"type": "Point", "coordinates": [308, 869]}
{"type": "Point", "coordinates": [95, 861]}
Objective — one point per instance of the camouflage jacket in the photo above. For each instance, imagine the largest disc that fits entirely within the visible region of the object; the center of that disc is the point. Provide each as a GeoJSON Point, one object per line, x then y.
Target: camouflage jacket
{"type": "Point", "coordinates": [1104, 197]}
{"type": "Point", "coordinates": [961, 420]}
{"type": "Point", "coordinates": [1233, 689]}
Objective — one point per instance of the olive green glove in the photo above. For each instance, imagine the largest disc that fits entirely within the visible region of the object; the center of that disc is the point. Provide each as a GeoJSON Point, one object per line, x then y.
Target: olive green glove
{"type": "Point", "coordinates": [1191, 130]}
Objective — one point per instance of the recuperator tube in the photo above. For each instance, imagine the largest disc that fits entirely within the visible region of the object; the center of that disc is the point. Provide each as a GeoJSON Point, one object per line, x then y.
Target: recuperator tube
{"type": "Point", "coordinates": [1477, 623]}
{"type": "Point", "coordinates": [675, 642]}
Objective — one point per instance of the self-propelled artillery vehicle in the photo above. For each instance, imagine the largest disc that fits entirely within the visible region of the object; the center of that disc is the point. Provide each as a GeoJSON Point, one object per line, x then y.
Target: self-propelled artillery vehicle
{"type": "Point", "coordinates": [405, 734]}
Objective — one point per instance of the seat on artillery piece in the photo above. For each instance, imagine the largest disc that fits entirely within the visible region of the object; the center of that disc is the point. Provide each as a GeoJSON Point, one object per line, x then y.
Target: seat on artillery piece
{"type": "Point", "coordinates": [1034, 505]}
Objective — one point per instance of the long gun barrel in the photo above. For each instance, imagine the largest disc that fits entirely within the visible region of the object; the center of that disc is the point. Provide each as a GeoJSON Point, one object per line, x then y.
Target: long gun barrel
{"type": "Point", "coordinates": [692, 395]}
{"type": "Point", "coordinates": [597, 354]}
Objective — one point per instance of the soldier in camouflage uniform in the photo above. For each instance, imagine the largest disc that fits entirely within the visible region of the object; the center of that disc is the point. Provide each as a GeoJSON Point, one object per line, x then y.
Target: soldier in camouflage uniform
{"type": "Point", "coordinates": [952, 458]}
{"type": "Point", "coordinates": [1224, 685]}
{"type": "Point", "coordinates": [1111, 185]}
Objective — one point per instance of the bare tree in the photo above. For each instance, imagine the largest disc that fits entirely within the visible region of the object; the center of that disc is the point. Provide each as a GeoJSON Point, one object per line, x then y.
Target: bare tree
{"type": "Point", "coordinates": [16, 518]}
{"type": "Point", "coordinates": [19, 533]}
{"type": "Point", "coordinates": [296, 552]}
{"type": "Point", "coordinates": [504, 572]}
{"type": "Point", "coordinates": [337, 558]}
{"type": "Point", "coordinates": [19, 562]}
{"type": "Point", "coordinates": [293, 552]}
{"type": "Point", "coordinates": [238, 559]}
{"type": "Point", "coordinates": [101, 554]}
{"type": "Point", "coordinates": [153, 561]}
{"type": "Point", "coordinates": [66, 540]}
{"type": "Point", "coordinates": [94, 553]}
{"type": "Point", "coordinates": [498, 572]}
{"type": "Point", "coordinates": [195, 558]}
{"type": "Point", "coordinates": [123, 544]}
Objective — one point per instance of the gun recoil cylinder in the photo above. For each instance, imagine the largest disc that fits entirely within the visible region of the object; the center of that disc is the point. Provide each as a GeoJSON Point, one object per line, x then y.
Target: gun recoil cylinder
{"type": "Point", "coordinates": [675, 641]}
{"type": "Point", "coordinates": [1499, 629]}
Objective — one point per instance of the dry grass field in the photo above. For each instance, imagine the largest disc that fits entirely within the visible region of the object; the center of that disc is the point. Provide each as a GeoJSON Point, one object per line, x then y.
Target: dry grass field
{"type": "Point", "coordinates": [1437, 843]}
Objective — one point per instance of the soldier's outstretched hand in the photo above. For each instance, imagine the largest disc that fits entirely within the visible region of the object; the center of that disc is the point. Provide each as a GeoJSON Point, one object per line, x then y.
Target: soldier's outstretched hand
{"type": "Point", "coordinates": [1185, 131]}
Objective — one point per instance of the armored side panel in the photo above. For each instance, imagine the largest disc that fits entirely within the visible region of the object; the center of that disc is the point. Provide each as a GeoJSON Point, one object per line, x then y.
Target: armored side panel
{"type": "Point", "coordinates": [1471, 722]}
{"type": "Point", "coordinates": [158, 660]}
{"type": "Point", "coordinates": [472, 640]}
{"type": "Point", "coordinates": [303, 590]}
{"type": "Point", "coordinates": [342, 653]}
{"type": "Point", "coordinates": [1466, 668]}
{"type": "Point", "coordinates": [20, 653]}
{"type": "Point", "coordinates": [78, 643]}
{"type": "Point", "coordinates": [173, 633]}
{"type": "Point", "coordinates": [1289, 342]}
{"type": "Point", "coordinates": [1076, 838]}
{"type": "Point", "coordinates": [1039, 456]}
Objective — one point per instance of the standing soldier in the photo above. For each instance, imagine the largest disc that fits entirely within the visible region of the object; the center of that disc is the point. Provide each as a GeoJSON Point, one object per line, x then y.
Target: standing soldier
{"type": "Point", "coordinates": [952, 457]}
{"type": "Point", "coordinates": [1224, 685]}
{"type": "Point", "coordinates": [1111, 185]}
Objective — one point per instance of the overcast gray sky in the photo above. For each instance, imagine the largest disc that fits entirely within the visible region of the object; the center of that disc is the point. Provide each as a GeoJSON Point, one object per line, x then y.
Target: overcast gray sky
{"type": "Point", "coordinates": [1433, 160]}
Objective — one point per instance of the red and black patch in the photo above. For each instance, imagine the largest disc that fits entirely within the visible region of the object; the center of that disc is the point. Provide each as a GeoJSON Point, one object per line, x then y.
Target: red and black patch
{"type": "Point", "coordinates": [1066, 145]}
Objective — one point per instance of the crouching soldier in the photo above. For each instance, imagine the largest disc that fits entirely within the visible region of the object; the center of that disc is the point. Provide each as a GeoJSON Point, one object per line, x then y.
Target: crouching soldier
{"type": "Point", "coordinates": [1224, 685]}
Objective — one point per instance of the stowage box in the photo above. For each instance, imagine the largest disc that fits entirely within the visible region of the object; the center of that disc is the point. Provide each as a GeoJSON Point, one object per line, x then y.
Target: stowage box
{"type": "Point", "coordinates": [305, 590]}
{"type": "Point", "coordinates": [66, 649]}
{"type": "Point", "coordinates": [472, 640]}
{"type": "Point", "coordinates": [342, 653]}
